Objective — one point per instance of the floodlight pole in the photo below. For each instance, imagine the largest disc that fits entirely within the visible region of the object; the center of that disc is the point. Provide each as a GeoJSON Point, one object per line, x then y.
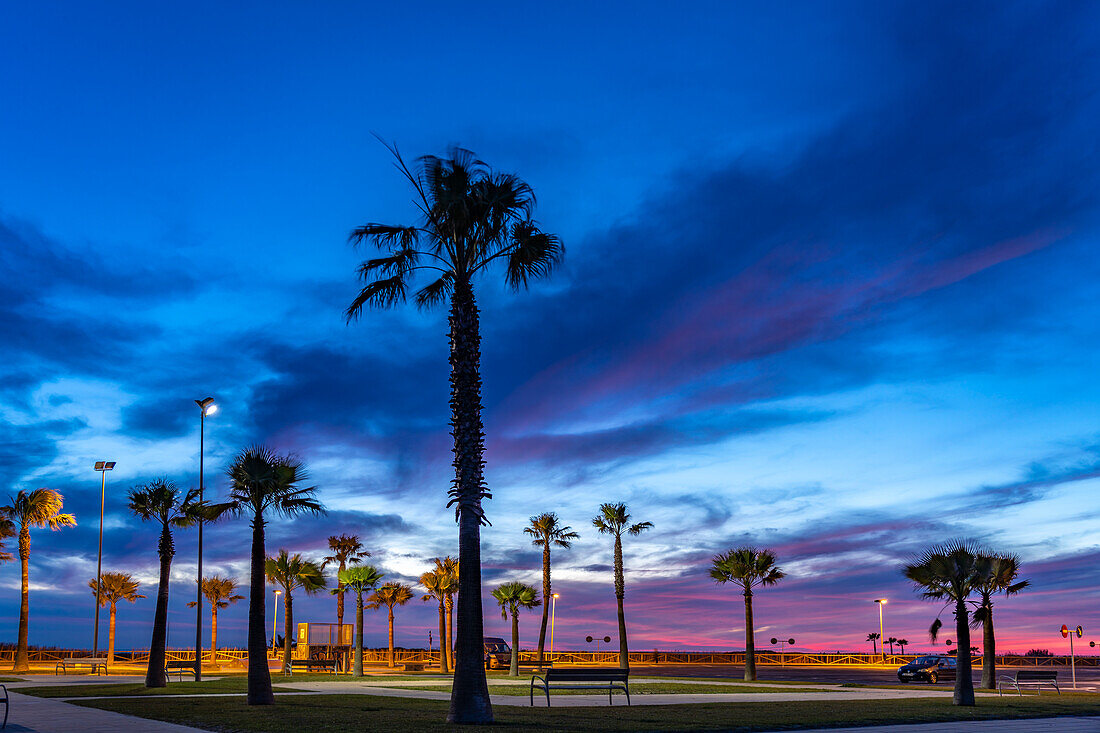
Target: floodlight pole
{"type": "Point", "coordinates": [102, 467]}
{"type": "Point", "coordinates": [205, 405]}
{"type": "Point", "coordinates": [553, 608]}
{"type": "Point", "coordinates": [881, 637]}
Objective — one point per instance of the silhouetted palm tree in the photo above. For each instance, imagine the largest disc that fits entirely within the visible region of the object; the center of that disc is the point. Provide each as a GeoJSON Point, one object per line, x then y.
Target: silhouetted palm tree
{"type": "Point", "coordinates": [873, 638]}
{"type": "Point", "coordinates": [471, 218]}
{"type": "Point", "coordinates": [891, 641]}
{"type": "Point", "coordinates": [447, 567]}
{"type": "Point", "coordinates": [547, 531]}
{"type": "Point", "coordinates": [114, 587]}
{"type": "Point", "coordinates": [1000, 577]}
{"type": "Point", "coordinates": [952, 572]}
{"type": "Point", "coordinates": [359, 579]}
{"type": "Point", "coordinates": [512, 597]}
{"type": "Point", "coordinates": [903, 643]}
{"type": "Point", "coordinates": [31, 509]}
{"type": "Point", "coordinates": [263, 484]}
{"type": "Point", "coordinates": [438, 585]}
{"type": "Point", "coordinates": [346, 549]}
{"type": "Point", "coordinates": [293, 572]}
{"type": "Point", "coordinates": [220, 592]}
{"type": "Point", "coordinates": [390, 595]}
{"type": "Point", "coordinates": [160, 501]}
{"type": "Point", "coordinates": [614, 519]}
{"type": "Point", "coordinates": [749, 568]}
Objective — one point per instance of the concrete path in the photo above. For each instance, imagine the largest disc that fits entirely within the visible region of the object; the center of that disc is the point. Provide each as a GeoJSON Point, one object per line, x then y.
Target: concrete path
{"type": "Point", "coordinates": [43, 715]}
{"type": "Point", "coordinates": [1034, 725]}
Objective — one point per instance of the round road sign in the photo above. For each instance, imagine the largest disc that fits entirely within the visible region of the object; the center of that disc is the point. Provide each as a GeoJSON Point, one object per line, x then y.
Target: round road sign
{"type": "Point", "coordinates": [1065, 631]}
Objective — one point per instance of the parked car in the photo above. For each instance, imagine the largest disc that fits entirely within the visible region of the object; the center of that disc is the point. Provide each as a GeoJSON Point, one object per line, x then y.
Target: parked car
{"type": "Point", "coordinates": [931, 669]}
{"type": "Point", "coordinates": [497, 653]}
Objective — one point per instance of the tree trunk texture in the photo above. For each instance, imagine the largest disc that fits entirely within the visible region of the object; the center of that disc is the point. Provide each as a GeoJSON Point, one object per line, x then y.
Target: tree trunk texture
{"type": "Point", "coordinates": [259, 676]}
{"type": "Point", "coordinates": [620, 593]}
{"type": "Point", "coordinates": [154, 675]}
{"type": "Point", "coordinates": [964, 682]}
{"type": "Point", "coordinates": [469, 694]}
{"type": "Point", "coordinates": [450, 629]}
{"type": "Point", "coordinates": [111, 636]}
{"type": "Point", "coordinates": [750, 640]}
{"type": "Point", "coordinates": [358, 635]}
{"type": "Point", "coordinates": [989, 650]}
{"type": "Point", "coordinates": [545, 597]}
{"type": "Point", "coordinates": [513, 662]}
{"type": "Point", "coordinates": [22, 658]}
{"type": "Point", "coordinates": [392, 664]}
{"type": "Point", "coordinates": [444, 660]}
{"type": "Point", "coordinates": [288, 628]}
{"type": "Point", "coordinates": [214, 634]}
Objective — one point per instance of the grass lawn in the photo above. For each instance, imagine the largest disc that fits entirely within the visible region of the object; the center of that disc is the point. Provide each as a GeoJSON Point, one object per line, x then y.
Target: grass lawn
{"type": "Point", "coordinates": [11, 679]}
{"type": "Point", "coordinates": [340, 713]}
{"type": "Point", "coordinates": [643, 688]}
{"type": "Point", "coordinates": [223, 685]}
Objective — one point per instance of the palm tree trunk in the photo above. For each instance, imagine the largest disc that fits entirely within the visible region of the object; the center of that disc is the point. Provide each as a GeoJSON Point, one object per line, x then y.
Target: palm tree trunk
{"type": "Point", "coordinates": [513, 663]}
{"type": "Point", "coordinates": [358, 635]}
{"type": "Point", "coordinates": [620, 593]}
{"type": "Point", "coordinates": [154, 675]}
{"type": "Point", "coordinates": [259, 676]}
{"type": "Point", "coordinates": [22, 658]}
{"type": "Point", "coordinates": [340, 604]}
{"type": "Point", "coordinates": [469, 694]}
{"type": "Point", "coordinates": [392, 663]}
{"type": "Point", "coordinates": [989, 650]}
{"type": "Point", "coordinates": [750, 640]}
{"type": "Point", "coordinates": [545, 596]}
{"type": "Point", "coordinates": [111, 636]}
{"type": "Point", "coordinates": [214, 634]}
{"type": "Point", "coordinates": [450, 629]}
{"type": "Point", "coordinates": [444, 664]}
{"type": "Point", "coordinates": [964, 682]}
{"type": "Point", "coordinates": [288, 628]}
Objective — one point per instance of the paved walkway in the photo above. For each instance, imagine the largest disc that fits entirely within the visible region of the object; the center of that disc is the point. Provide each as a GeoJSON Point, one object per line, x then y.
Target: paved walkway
{"type": "Point", "coordinates": [43, 715]}
{"type": "Point", "coordinates": [1034, 725]}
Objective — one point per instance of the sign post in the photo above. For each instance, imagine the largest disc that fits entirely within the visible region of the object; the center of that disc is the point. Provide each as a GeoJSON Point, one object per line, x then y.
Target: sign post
{"type": "Point", "coordinates": [1066, 633]}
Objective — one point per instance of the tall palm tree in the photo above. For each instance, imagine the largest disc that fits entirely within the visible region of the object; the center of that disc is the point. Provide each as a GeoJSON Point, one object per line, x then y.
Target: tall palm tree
{"type": "Point", "coordinates": [873, 638]}
{"type": "Point", "coordinates": [512, 597]}
{"type": "Point", "coordinates": [262, 484]}
{"type": "Point", "coordinates": [952, 572]}
{"type": "Point", "coordinates": [114, 587]}
{"type": "Point", "coordinates": [220, 592]}
{"type": "Point", "coordinates": [438, 585]}
{"type": "Point", "coordinates": [359, 580]}
{"type": "Point", "coordinates": [749, 568]}
{"type": "Point", "coordinates": [447, 567]}
{"type": "Point", "coordinates": [31, 509]}
{"type": "Point", "coordinates": [1001, 577]}
{"type": "Point", "coordinates": [903, 643]}
{"type": "Point", "coordinates": [614, 519]}
{"type": "Point", "coordinates": [293, 572]}
{"type": "Point", "coordinates": [346, 549]}
{"type": "Point", "coordinates": [390, 595]}
{"type": "Point", "coordinates": [160, 501]}
{"type": "Point", "coordinates": [547, 531]}
{"type": "Point", "coordinates": [471, 217]}
{"type": "Point", "coordinates": [891, 641]}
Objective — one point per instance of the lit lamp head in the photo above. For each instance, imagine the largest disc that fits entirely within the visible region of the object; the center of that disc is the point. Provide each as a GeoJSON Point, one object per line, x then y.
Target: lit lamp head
{"type": "Point", "coordinates": [555, 596]}
{"type": "Point", "coordinates": [277, 592]}
{"type": "Point", "coordinates": [207, 406]}
{"type": "Point", "coordinates": [880, 601]}
{"type": "Point", "coordinates": [104, 465]}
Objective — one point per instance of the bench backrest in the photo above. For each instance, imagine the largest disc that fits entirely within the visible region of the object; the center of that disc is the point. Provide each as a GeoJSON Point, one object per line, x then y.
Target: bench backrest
{"type": "Point", "coordinates": [603, 674]}
{"type": "Point", "coordinates": [179, 664]}
{"type": "Point", "coordinates": [85, 660]}
{"type": "Point", "coordinates": [1037, 674]}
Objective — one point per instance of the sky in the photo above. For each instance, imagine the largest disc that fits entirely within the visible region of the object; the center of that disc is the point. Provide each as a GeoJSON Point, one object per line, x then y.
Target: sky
{"type": "Point", "coordinates": [830, 288]}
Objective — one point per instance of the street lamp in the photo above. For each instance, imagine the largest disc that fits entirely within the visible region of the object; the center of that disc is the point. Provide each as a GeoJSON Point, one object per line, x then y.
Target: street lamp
{"type": "Point", "coordinates": [275, 622]}
{"type": "Point", "coordinates": [553, 608]}
{"type": "Point", "coordinates": [206, 407]}
{"type": "Point", "coordinates": [103, 467]}
{"type": "Point", "coordinates": [882, 639]}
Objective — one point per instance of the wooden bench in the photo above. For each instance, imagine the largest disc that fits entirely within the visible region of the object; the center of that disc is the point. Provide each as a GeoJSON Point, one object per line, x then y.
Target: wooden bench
{"type": "Point", "coordinates": [325, 665]}
{"type": "Point", "coordinates": [180, 668]}
{"type": "Point", "coordinates": [603, 678]}
{"type": "Point", "coordinates": [96, 663]}
{"type": "Point", "coordinates": [7, 705]}
{"type": "Point", "coordinates": [1030, 678]}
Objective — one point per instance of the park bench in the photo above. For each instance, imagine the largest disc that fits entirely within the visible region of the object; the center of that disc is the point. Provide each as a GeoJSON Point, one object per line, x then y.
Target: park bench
{"type": "Point", "coordinates": [413, 666]}
{"type": "Point", "coordinates": [7, 705]}
{"type": "Point", "coordinates": [533, 664]}
{"type": "Point", "coordinates": [179, 668]}
{"type": "Point", "coordinates": [604, 678]}
{"type": "Point", "coordinates": [325, 665]}
{"type": "Point", "coordinates": [1029, 678]}
{"type": "Point", "coordinates": [96, 663]}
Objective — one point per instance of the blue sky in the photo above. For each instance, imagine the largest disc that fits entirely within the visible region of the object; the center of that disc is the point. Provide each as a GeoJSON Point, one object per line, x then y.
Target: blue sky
{"type": "Point", "coordinates": [830, 287]}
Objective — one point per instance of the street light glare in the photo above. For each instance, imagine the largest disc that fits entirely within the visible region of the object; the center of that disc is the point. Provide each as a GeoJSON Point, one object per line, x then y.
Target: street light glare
{"type": "Point", "coordinates": [880, 600]}
{"type": "Point", "coordinates": [556, 596]}
{"type": "Point", "coordinates": [211, 409]}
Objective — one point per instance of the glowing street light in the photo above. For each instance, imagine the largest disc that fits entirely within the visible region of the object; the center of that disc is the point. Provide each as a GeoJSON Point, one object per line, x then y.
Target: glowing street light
{"type": "Point", "coordinates": [275, 622]}
{"type": "Point", "coordinates": [103, 467]}
{"type": "Point", "coordinates": [881, 602]}
{"type": "Point", "coordinates": [206, 407]}
{"type": "Point", "coordinates": [553, 608]}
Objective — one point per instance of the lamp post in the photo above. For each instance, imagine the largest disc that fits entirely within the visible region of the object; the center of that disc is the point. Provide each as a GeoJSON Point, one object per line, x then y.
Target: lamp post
{"type": "Point", "coordinates": [103, 467]}
{"type": "Point", "coordinates": [553, 608]}
{"type": "Point", "coordinates": [881, 602]}
{"type": "Point", "coordinates": [275, 622]}
{"type": "Point", "coordinates": [206, 407]}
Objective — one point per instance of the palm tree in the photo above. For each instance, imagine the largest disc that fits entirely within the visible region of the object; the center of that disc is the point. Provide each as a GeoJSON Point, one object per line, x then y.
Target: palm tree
{"type": "Point", "coordinates": [7, 531]}
{"type": "Point", "coordinates": [952, 572]}
{"type": "Point", "coordinates": [512, 597]}
{"type": "Point", "coordinates": [264, 483]}
{"type": "Point", "coordinates": [873, 638]}
{"type": "Point", "coordinates": [471, 217]}
{"type": "Point", "coordinates": [345, 549]}
{"type": "Point", "coordinates": [614, 519]}
{"type": "Point", "coordinates": [903, 643]}
{"type": "Point", "coordinates": [293, 572]}
{"type": "Point", "coordinates": [1002, 571]}
{"type": "Point", "coordinates": [750, 568]}
{"type": "Point", "coordinates": [547, 531]}
{"type": "Point", "coordinates": [162, 502]}
{"type": "Point", "coordinates": [220, 592]}
{"type": "Point", "coordinates": [35, 509]}
{"type": "Point", "coordinates": [447, 567]}
{"type": "Point", "coordinates": [891, 641]}
{"type": "Point", "coordinates": [390, 595]}
{"type": "Point", "coordinates": [359, 579]}
{"type": "Point", "coordinates": [114, 587]}
{"type": "Point", "coordinates": [438, 585]}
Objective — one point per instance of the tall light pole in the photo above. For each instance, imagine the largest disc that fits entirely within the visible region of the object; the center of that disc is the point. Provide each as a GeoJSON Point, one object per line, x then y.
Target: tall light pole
{"type": "Point", "coordinates": [553, 608]}
{"type": "Point", "coordinates": [206, 407]}
{"type": "Point", "coordinates": [103, 467]}
{"type": "Point", "coordinates": [275, 622]}
{"type": "Point", "coordinates": [882, 639]}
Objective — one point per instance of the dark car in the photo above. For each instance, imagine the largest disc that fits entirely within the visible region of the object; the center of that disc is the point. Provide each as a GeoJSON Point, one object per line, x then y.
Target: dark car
{"type": "Point", "coordinates": [497, 653]}
{"type": "Point", "coordinates": [931, 669]}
